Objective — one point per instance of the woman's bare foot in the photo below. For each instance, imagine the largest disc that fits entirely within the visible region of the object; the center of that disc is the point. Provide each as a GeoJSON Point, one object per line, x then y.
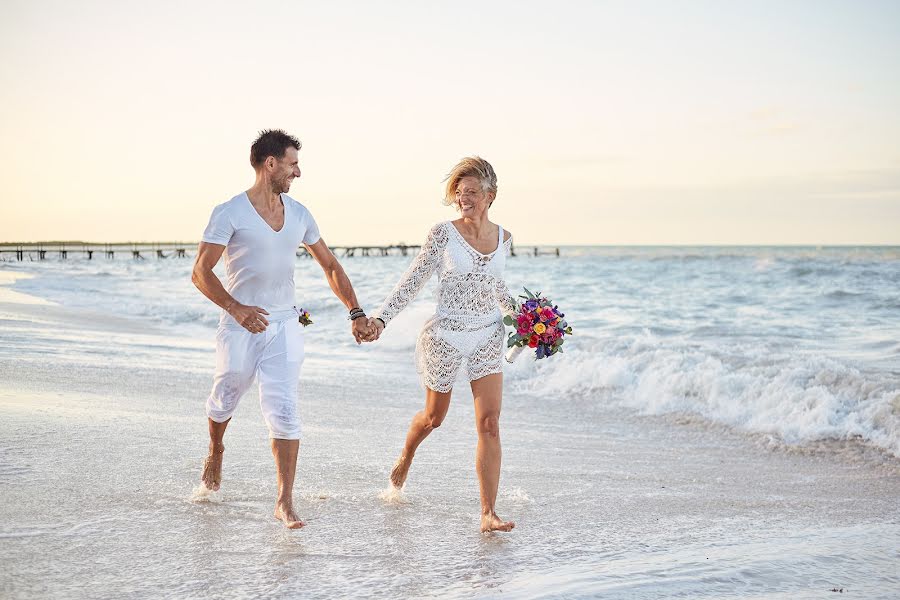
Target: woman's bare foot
{"type": "Point", "coordinates": [491, 522]}
{"type": "Point", "coordinates": [400, 471]}
{"type": "Point", "coordinates": [212, 468]}
{"type": "Point", "coordinates": [284, 512]}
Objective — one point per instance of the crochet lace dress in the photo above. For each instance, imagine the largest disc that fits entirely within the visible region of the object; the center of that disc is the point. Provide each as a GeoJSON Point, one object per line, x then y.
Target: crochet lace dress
{"type": "Point", "coordinates": [472, 297]}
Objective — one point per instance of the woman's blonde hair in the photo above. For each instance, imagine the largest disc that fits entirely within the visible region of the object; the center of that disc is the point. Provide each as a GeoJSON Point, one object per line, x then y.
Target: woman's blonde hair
{"type": "Point", "coordinates": [471, 166]}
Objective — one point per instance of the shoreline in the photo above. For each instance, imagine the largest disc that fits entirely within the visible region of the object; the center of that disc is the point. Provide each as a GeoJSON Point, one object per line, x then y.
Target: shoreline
{"type": "Point", "coordinates": [11, 296]}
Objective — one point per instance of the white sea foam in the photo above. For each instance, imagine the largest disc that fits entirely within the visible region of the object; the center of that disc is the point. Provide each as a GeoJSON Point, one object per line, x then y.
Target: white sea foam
{"type": "Point", "coordinates": [798, 398]}
{"type": "Point", "coordinates": [515, 495]}
{"type": "Point", "coordinates": [201, 493]}
{"type": "Point", "coordinates": [393, 495]}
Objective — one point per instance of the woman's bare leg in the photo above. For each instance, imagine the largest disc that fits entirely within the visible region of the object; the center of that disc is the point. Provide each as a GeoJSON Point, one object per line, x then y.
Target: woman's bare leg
{"type": "Point", "coordinates": [488, 394]}
{"type": "Point", "coordinates": [423, 423]}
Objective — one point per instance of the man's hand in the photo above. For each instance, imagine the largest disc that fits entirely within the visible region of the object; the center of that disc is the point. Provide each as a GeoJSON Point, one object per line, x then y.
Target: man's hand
{"type": "Point", "coordinates": [360, 329]}
{"type": "Point", "coordinates": [250, 317]}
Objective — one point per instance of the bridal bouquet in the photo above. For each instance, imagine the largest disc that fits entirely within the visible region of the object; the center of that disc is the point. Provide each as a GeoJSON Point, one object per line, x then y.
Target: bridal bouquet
{"type": "Point", "coordinates": [539, 325]}
{"type": "Point", "coordinates": [304, 317]}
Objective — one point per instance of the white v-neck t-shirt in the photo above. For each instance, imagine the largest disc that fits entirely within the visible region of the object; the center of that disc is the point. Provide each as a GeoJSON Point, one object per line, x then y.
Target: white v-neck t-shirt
{"type": "Point", "coordinates": [259, 261]}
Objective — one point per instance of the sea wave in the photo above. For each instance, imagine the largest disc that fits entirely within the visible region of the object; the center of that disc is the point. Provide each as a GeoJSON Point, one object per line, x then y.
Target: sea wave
{"type": "Point", "coordinates": [799, 399]}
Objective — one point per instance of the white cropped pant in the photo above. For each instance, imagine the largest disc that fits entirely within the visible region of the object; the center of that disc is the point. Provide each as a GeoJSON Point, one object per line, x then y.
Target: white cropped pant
{"type": "Point", "coordinates": [274, 356]}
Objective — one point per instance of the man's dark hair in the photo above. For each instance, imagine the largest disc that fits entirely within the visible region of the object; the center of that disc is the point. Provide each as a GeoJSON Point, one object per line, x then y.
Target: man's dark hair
{"type": "Point", "coordinates": [271, 142]}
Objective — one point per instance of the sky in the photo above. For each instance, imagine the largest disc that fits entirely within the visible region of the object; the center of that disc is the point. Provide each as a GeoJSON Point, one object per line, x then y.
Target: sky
{"type": "Point", "coordinates": [695, 122]}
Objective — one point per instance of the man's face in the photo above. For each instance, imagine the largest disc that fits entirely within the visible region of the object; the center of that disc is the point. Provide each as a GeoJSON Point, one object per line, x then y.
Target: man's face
{"type": "Point", "coordinates": [286, 169]}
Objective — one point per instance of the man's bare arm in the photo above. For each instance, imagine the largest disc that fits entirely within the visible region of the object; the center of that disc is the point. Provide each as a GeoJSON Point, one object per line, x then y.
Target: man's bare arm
{"type": "Point", "coordinates": [340, 285]}
{"type": "Point", "coordinates": [208, 255]}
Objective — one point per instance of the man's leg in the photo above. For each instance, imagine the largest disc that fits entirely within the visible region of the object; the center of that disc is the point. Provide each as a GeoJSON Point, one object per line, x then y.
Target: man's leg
{"type": "Point", "coordinates": [285, 453]}
{"type": "Point", "coordinates": [212, 466]}
{"type": "Point", "coordinates": [279, 382]}
{"type": "Point", "coordinates": [235, 365]}
{"type": "Point", "coordinates": [423, 423]}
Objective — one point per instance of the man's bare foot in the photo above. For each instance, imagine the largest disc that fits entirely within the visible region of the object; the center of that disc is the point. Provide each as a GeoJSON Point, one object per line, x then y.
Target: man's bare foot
{"type": "Point", "coordinates": [491, 522]}
{"type": "Point", "coordinates": [400, 471]}
{"type": "Point", "coordinates": [285, 513]}
{"type": "Point", "coordinates": [212, 469]}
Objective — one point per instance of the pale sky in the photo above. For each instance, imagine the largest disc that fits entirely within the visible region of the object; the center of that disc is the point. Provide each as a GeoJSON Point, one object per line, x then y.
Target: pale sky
{"type": "Point", "coordinates": [607, 122]}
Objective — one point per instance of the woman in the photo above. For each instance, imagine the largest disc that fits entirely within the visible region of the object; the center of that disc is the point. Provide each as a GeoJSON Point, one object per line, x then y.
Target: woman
{"type": "Point", "coordinates": [466, 330]}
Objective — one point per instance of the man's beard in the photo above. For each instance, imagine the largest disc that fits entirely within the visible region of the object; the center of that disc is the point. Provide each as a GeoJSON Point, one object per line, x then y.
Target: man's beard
{"type": "Point", "coordinates": [283, 186]}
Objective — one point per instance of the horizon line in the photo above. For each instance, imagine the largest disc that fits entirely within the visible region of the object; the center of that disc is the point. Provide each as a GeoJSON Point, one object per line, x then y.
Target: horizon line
{"type": "Point", "coordinates": [539, 245]}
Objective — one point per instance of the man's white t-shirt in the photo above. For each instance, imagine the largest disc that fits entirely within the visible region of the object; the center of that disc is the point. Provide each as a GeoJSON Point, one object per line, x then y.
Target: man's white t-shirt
{"type": "Point", "coordinates": [259, 261]}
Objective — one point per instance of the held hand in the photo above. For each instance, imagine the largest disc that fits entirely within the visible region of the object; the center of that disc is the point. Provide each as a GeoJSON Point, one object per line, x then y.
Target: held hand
{"type": "Point", "coordinates": [377, 327]}
{"type": "Point", "coordinates": [361, 331]}
{"type": "Point", "coordinates": [250, 317]}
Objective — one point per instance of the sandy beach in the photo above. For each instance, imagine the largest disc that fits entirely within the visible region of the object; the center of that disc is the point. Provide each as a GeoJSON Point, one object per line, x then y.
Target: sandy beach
{"type": "Point", "coordinates": [103, 436]}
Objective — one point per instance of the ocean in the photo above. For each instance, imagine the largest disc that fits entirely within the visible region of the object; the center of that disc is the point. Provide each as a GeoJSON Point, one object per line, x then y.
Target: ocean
{"type": "Point", "coordinates": [724, 422]}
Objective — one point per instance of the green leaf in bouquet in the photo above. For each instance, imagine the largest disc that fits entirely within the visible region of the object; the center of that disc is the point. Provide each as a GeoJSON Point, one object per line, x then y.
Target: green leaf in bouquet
{"type": "Point", "coordinates": [507, 320]}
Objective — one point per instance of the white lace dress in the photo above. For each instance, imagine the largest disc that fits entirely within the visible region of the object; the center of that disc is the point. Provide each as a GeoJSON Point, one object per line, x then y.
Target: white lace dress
{"type": "Point", "coordinates": [472, 297]}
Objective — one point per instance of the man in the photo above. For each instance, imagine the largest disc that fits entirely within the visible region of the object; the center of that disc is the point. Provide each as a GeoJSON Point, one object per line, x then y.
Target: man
{"type": "Point", "coordinates": [259, 335]}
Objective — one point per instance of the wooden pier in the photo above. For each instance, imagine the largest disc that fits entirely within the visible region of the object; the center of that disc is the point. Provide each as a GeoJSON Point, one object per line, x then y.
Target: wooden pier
{"type": "Point", "coordinates": [161, 250]}
{"type": "Point", "coordinates": [63, 250]}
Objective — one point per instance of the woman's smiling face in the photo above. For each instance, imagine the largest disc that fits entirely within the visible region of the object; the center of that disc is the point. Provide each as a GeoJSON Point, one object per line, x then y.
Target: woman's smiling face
{"type": "Point", "coordinates": [471, 199]}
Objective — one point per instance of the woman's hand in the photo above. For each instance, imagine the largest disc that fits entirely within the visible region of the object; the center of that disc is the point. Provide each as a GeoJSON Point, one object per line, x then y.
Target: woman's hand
{"type": "Point", "coordinates": [377, 326]}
